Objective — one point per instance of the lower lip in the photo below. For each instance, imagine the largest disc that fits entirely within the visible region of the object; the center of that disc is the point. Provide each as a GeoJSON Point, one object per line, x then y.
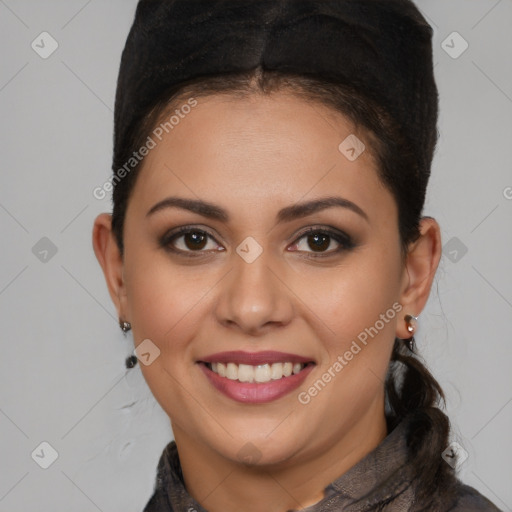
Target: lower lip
{"type": "Point", "coordinates": [256, 392]}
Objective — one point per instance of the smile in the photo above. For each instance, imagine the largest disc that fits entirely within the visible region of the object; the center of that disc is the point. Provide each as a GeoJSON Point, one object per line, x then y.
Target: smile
{"type": "Point", "coordinates": [255, 377]}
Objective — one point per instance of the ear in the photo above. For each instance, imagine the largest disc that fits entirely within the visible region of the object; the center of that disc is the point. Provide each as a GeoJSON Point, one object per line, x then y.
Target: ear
{"type": "Point", "coordinates": [421, 265]}
{"type": "Point", "coordinates": [109, 257]}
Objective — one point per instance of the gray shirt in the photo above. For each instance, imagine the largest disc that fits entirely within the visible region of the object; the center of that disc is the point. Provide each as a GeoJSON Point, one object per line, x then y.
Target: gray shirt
{"type": "Point", "coordinates": [382, 481]}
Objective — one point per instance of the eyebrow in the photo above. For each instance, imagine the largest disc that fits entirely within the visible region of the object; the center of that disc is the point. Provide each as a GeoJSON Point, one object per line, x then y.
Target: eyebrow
{"type": "Point", "coordinates": [286, 214]}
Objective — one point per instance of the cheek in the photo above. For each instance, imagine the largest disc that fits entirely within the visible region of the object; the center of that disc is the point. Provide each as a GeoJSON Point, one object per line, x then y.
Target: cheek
{"type": "Point", "coordinates": [165, 305]}
{"type": "Point", "coordinates": [164, 300]}
{"type": "Point", "coordinates": [358, 302]}
{"type": "Point", "coordinates": [352, 297]}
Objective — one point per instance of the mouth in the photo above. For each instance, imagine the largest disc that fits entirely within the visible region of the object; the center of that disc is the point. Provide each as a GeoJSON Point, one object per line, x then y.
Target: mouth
{"type": "Point", "coordinates": [255, 377]}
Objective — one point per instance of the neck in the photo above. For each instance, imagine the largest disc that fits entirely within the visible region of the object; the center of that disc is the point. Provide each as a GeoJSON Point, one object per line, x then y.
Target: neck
{"type": "Point", "coordinates": [220, 484]}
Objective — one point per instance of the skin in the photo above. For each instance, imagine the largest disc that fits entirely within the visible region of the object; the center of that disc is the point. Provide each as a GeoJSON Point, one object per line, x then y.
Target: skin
{"type": "Point", "coordinates": [252, 157]}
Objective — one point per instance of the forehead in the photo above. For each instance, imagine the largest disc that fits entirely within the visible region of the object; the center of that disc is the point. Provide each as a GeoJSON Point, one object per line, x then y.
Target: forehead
{"type": "Point", "coordinates": [278, 147]}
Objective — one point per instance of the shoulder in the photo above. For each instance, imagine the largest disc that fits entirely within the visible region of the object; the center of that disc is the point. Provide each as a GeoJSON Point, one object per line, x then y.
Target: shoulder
{"type": "Point", "coordinates": [469, 499]}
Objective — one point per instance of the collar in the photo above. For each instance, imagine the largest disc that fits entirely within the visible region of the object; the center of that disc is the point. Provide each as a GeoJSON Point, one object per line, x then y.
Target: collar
{"type": "Point", "coordinates": [382, 476]}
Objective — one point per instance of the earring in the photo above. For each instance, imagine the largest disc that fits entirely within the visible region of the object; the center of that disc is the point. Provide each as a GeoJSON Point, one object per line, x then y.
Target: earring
{"type": "Point", "coordinates": [412, 323]}
{"type": "Point", "coordinates": [125, 326]}
{"type": "Point", "coordinates": [130, 362]}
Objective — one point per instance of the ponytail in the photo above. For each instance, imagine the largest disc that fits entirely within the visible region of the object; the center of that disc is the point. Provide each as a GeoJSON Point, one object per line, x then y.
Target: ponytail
{"type": "Point", "coordinates": [412, 391]}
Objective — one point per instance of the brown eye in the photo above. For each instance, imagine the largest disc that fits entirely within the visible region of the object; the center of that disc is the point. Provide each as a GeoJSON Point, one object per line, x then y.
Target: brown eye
{"type": "Point", "coordinates": [195, 240]}
{"type": "Point", "coordinates": [323, 242]}
{"type": "Point", "coordinates": [319, 242]}
{"type": "Point", "coordinates": [187, 241]}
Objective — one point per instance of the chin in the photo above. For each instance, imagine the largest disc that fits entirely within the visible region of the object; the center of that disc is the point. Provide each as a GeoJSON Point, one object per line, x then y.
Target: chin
{"type": "Point", "coordinates": [261, 451]}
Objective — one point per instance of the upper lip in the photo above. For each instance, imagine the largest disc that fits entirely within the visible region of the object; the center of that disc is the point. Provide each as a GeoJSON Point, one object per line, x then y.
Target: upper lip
{"type": "Point", "coordinates": [255, 358]}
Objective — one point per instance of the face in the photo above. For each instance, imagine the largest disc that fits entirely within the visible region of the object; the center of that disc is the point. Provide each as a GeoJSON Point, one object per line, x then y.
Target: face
{"type": "Point", "coordinates": [288, 259]}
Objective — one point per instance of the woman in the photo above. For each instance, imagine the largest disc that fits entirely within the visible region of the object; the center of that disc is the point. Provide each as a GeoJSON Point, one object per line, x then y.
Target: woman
{"type": "Point", "coordinates": [268, 252]}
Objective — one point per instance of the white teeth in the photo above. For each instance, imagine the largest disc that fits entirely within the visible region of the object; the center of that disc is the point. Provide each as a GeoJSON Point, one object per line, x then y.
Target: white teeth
{"type": "Point", "coordinates": [262, 373]}
{"type": "Point", "coordinates": [245, 373]}
{"type": "Point", "coordinates": [221, 369]}
{"type": "Point", "coordinates": [276, 371]}
{"type": "Point", "coordinates": [232, 371]}
{"type": "Point", "coordinates": [259, 373]}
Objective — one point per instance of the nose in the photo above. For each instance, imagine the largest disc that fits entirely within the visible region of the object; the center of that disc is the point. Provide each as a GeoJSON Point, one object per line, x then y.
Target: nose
{"type": "Point", "coordinates": [254, 297]}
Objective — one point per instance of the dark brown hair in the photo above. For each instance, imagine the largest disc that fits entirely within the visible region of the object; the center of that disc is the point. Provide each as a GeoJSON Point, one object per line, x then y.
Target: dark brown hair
{"type": "Point", "coordinates": [410, 387]}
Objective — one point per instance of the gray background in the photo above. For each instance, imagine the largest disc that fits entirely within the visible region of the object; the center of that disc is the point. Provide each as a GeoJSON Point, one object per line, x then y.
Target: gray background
{"type": "Point", "coordinates": [62, 371]}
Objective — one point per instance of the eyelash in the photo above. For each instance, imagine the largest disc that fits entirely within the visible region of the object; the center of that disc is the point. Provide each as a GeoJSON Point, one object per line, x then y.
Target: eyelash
{"type": "Point", "coordinates": [346, 243]}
